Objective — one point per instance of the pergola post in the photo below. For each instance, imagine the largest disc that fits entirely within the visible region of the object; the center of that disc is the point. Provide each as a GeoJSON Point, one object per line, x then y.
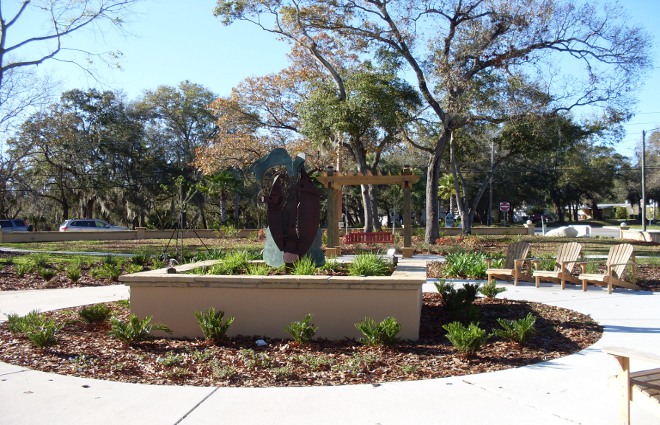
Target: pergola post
{"type": "Point", "coordinates": [407, 250]}
{"type": "Point", "coordinates": [334, 182]}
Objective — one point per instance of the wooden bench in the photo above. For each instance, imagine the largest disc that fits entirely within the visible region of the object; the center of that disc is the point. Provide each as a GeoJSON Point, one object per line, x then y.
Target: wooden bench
{"type": "Point", "coordinates": [368, 237]}
{"type": "Point", "coordinates": [637, 386]}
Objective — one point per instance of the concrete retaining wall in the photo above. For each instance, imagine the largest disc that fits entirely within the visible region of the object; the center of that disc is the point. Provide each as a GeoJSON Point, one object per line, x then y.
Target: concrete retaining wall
{"type": "Point", "coordinates": [265, 305]}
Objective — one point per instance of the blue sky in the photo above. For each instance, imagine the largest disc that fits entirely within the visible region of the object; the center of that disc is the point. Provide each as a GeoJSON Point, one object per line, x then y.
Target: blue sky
{"type": "Point", "coordinates": [171, 41]}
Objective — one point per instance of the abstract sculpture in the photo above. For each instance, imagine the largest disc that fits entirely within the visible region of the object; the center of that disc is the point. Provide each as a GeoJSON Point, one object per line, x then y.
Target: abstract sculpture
{"type": "Point", "coordinates": [293, 211]}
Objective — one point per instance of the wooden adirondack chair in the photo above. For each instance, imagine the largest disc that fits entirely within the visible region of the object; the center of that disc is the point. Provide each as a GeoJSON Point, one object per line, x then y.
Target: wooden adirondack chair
{"type": "Point", "coordinates": [617, 260]}
{"type": "Point", "coordinates": [516, 257]}
{"type": "Point", "coordinates": [566, 259]}
{"type": "Point", "coordinates": [641, 386]}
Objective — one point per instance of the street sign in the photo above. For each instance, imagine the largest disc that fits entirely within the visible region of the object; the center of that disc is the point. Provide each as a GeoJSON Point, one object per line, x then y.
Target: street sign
{"type": "Point", "coordinates": [504, 206]}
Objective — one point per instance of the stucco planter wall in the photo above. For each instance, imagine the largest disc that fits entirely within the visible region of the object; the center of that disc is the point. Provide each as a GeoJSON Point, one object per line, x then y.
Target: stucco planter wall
{"type": "Point", "coordinates": [264, 305]}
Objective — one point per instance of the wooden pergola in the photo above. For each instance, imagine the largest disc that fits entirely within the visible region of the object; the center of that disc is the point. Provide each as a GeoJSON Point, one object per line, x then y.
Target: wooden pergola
{"type": "Point", "coordinates": [335, 181]}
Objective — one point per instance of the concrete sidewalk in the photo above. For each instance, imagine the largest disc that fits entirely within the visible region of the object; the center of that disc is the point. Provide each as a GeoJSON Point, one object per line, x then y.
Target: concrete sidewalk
{"type": "Point", "coordinates": [569, 390]}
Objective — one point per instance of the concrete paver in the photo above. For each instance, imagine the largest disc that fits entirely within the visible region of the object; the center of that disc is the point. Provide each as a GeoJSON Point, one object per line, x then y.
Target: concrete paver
{"type": "Point", "coordinates": [570, 390]}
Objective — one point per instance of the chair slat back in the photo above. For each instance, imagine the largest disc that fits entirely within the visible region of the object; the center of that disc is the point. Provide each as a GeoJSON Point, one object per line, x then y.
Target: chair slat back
{"type": "Point", "coordinates": [515, 251]}
{"type": "Point", "coordinates": [568, 252]}
{"type": "Point", "coordinates": [620, 255]}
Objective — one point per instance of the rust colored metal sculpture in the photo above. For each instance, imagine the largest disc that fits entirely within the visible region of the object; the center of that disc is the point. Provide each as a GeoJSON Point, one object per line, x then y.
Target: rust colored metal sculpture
{"type": "Point", "coordinates": [293, 211]}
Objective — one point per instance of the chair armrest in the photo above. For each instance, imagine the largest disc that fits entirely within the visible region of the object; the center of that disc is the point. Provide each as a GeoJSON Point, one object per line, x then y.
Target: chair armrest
{"type": "Point", "coordinates": [630, 353]}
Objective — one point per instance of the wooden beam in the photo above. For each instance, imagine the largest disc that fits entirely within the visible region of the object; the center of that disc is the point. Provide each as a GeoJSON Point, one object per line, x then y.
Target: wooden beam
{"type": "Point", "coordinates": [353, 180]}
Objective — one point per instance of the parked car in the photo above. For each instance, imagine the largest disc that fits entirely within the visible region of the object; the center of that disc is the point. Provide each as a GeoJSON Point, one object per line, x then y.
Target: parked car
{"type": "Point", "coordinates": [536, 218]}
{"type": "Point", "coordinates": [88, 225]}
{"type": "Point", "coordinates": [15, 225]}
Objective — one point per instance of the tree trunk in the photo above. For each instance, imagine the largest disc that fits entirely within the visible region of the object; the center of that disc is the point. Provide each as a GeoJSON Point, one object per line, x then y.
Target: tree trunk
{"type": "Point", "coordinates": [237, 203]}
{"type": "Point", "coordinates": [432, 231]}
{"type": "Point", "coordinates": [223, 207]}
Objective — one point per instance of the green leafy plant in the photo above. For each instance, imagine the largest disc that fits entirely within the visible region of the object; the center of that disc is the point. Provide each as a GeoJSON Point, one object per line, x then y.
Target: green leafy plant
{"type": "Point", "coordinates": [43, 333]}
{"type": "Point", "coordinates": [303, 331]}
{"type": "Point", "coordinates": [47, 273]}
{"type": "Point", "coordinates": [172, 359]}
{"type": "Point", "coordinates": [258, 269]}
{"type": "Point", "coordinates": [490, 290]}
{"type": "Point", "coordinates": [369, 265]}
{"type": "Point", "coordinates": [17, 323]}
{"type": "Point", "coordinates": [304, 266]}
{"type": "Point", "coordinates": [110, 271]}
{"type": "Point", "coordinates": [73, 271]}
{"type": "Point", "coordinates": [383, 333]}
{"type": "Point", "coordinates": [135, 330]}
{"type": "Point", "coordinates": [23, 268]}
{"type": "Point", "coordinates": [331, 265]}
{"type": "Point", "coordinates": [468, 264]}
{"type": "Point", "coordinates": [96, 313]}
{"type": "Point", "coordinates": [39, 329]}
{"type": "Point", "coordinates": [233, 263]}
{"type": "Point", "coordinates": [252, 359]}
{"type": "Point", "coordinates": [359, 363]}
{"type": "Point", "coordinates": [518, 331]}
{"type": "Point", "coordinates": [468, 340]}
{"type": "Point", "coordinates": [223, 371]}
{"type": "Point", "coordinates": [212, 323]}
{"type": "Point", "coordinates": [39, 260]}
{"type": "Point", "coordinates": [132, 268]}
{"type": "Point", "coordinates": [141, 258]}
{"type": "Point", "coordinates": [282, 372]}
{"type": "Point", "coordinates": [459, 302]}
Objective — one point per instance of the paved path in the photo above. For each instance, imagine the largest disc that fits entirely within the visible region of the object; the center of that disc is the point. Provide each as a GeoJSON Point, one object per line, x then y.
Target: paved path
{"type": "Point", "coordinates": [570, 390]}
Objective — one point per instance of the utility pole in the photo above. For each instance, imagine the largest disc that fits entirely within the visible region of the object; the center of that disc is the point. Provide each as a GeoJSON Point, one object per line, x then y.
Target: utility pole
{"type": "Point", "coordinates": [643, 181]}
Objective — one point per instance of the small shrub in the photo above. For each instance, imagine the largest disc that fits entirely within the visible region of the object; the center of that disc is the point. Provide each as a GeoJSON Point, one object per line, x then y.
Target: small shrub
{"type": "Point", "coordinates": [518, 331]}
{"type": "Point", "coordinates": [233, 263]}
{"type": "Point", "coordinates": [17, 323]}
{"type": "Point", "coordinates": [459, 302]}
{"type": "Point", "coordinates": [304, 266]}
{"type": "Point", "coordinates": [23, 268]}
{"type": "Point", "coordinates": [331, 265]}
{"type": "Point", "coordinates": [96, 313]}
{"type": "Point", "coordinates": [73, 271]}
{"type": "Point", "coordinates": [110, 260]}
{"type": "Point", "coordinates": [258, 269]}
{"type": "Point", "coordinates": [110, 271]}
{"type": "Point", "coordinates": [39, 260]}
{"type": "Point", "coordinates": [302, 332]}
{"type": "Point", "coordinates": [466, 264]}
{"type": "Point", "coordinates": [47, 273]}
{"type": "Point", "coordinates": [468, 340]}
{"type": "Point", "coordinates": [383, 333]}
{"type": "Point", "coordinates": [43, 333]}
{"type": "Point", "coordinates": [141, 258]}
{"type": "Point", "coordinates": [132, 268]}
{"type": "Point", "coordinates": [212, 323]}
{"type": "Point", "coordinates": [369, 265]}
{"type": "Point", "coordinates": [36, 327]}
{"type": "Point", "coordinates": [490, 290]}
{"type": "Point", "coordinates": [135, 330]}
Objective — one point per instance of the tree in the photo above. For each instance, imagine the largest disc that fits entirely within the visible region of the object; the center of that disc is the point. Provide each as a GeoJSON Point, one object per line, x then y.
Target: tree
{"type": "Point", "coordinates": [484, 61]}
{"type": "Point", "coordinates": [87, 151]}
{"type": "Point", "coordinates": [179, 123]}
{"type": "Point", "coordinates": [23, 49]}
{"type": "Point", "coordinates": [366, 123]}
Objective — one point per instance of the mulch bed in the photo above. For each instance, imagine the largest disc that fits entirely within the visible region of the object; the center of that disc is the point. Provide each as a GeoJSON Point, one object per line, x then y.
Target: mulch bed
{"type": "Point", "coordinates": [89, 351]}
